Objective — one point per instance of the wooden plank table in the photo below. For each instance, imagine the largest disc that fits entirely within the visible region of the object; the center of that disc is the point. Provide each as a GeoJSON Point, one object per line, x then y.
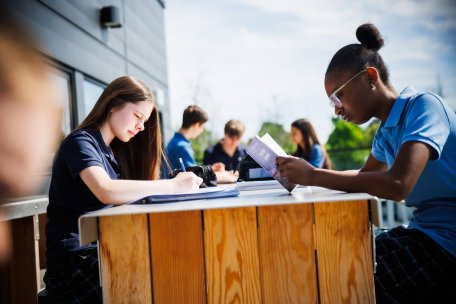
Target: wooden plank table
{"type": "Point", "coordinates": [20, 275]}
{"type": "Point", "coordinates": [265, 246]}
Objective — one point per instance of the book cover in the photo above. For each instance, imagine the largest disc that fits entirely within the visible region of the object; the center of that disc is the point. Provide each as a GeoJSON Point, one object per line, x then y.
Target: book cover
{"type": "Point", "coordinates": [264, 151]}
{"type": "Point", "coordinates": [202, 193]}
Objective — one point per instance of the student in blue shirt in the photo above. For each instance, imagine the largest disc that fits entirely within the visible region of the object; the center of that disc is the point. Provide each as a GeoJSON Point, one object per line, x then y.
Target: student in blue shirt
{"type": "Point", "coordinates": [112, 158]}
{"type": "Point", "coordinates": [179, 146]}
{"type": "Point", "coordinates": [308, 146]}
{"type": "Point", "coordinates": [413, 158]}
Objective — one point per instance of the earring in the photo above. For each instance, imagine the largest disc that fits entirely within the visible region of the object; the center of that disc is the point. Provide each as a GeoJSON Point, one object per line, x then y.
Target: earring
{"type": "Point", "coordinates": [373, 87]}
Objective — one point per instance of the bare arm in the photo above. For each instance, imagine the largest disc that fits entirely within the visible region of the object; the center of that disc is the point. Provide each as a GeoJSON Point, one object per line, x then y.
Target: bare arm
{"type": "Point", "coordinates": [117, 192]}
{"type": "Point", "coordinates": [395, 183]}
{"type": "Point", "coordinates": [372, 164]}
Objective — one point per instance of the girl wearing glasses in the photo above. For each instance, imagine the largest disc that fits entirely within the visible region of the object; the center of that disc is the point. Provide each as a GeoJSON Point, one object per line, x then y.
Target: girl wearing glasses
{"type": "Point", "coordinates": [413, 158]}
{"type": "Point", "coordinates": [308, 146]}
{"type": "Point", "coordinates": [112, 158]}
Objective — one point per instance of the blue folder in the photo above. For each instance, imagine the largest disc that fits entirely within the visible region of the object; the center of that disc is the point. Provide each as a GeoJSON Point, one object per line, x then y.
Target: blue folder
{"type": "Point", "coordinates": [179, 197]}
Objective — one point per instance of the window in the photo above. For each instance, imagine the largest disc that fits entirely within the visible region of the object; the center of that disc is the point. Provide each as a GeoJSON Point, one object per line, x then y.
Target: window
{"type": "Point", "coordinates": [62, 81]}
{"type": "Point", "coordinates": [92, 91]}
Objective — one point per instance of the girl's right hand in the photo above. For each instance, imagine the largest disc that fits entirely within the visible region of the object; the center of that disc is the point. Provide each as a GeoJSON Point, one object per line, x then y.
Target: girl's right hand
{"type": "Point", "coordinates": [295, 169]}
{"type": "Point", "coordinates": [186, 181]}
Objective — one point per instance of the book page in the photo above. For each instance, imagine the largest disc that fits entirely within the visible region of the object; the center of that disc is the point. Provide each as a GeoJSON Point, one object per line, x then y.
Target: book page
{"type": "Point", "coordinates": [271, 143]}
{"type": "Point", "coordinates": [265, 153]}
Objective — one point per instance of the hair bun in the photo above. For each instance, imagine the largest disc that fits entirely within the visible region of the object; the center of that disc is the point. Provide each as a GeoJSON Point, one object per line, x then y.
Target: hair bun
{"type": "Point", "coordinates": [369, 36]}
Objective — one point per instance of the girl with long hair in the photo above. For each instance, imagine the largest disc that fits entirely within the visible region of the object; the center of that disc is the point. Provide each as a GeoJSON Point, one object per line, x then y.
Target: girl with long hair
{"type": "Point", "coordinates": [112, 158]}
{"type": "Point", "coordinates": [308, 146]}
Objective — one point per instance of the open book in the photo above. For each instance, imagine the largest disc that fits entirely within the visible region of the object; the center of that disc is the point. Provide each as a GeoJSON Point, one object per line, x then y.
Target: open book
{"type": "Point", "coordinates": [264, 151]}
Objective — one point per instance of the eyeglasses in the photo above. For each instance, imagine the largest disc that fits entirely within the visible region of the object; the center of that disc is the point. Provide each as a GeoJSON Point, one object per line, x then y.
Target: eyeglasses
{"type": "Point", "coordinates": [334, 101]}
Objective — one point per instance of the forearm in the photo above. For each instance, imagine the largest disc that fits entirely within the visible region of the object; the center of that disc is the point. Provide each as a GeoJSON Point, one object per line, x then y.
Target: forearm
{"type": "Point", "coordinates": [118, 192]}
{"type": "Point", "coordinates": [378, 183]}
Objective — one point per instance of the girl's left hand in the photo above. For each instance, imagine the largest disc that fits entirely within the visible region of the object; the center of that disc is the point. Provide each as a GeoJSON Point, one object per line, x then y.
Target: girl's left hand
{"type": "Point", "coordinates": [218, 166]}
{"type": "Point", "coordinates": [295, 169]}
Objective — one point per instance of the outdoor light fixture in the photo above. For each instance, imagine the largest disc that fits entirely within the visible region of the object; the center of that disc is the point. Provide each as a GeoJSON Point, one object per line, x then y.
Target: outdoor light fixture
{"type": "Point", "coordinates": [110, 16]}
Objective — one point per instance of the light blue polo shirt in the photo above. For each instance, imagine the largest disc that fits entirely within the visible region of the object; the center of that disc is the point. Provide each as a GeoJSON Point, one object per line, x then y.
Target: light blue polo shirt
{"type": "Point", "coordinates": [180, 147]}
{"type": "Point", "coordinates": [425, 117]}
{"type": "Point", "coordinates": [317, 156]}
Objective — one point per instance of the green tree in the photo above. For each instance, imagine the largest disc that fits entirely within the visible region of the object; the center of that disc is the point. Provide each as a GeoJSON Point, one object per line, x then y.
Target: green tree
{"type": "Point", "coordinates": [200, 144]}
{"type": "Point", "coordinates": [349, 145]}
{"type": "Point", "coordinates": [277, 132]}
{"type": "Point", "coordinates": [370, 132]}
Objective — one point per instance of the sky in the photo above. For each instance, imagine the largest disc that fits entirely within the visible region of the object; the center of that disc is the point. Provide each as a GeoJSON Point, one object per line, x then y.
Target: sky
{"type": "Point", "coordinates": [265, 60]}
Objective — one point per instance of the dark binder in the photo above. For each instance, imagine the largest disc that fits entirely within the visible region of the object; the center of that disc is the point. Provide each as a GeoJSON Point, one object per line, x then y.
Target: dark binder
{"type": "Point", "coordinates": [179, 197]}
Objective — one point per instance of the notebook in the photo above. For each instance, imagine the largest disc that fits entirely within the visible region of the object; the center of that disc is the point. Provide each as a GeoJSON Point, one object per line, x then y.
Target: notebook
{"type": "Point", "coordinates": [202, 193]}
{"type": "Point", "coordinates": [259, 185]}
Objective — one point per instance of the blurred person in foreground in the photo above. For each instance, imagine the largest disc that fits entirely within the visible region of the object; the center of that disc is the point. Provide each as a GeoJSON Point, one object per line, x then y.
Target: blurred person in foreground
{"type": "Point", "coordinates": [413, 159]}
{"type": "Point", "coordinates": [308, 146]}
{"type": "Point", "coordinates": [225, 156]}
{"type": "Point", "coordinates": [29, 115]}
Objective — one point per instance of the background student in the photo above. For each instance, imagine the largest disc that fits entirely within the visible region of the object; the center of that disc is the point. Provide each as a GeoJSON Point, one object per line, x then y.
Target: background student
{"type": "Point", "coordinates": [227, 153]}
{"type": "Point", "coordinates": [113, 157]}
{"type": "Point", "coordinates": [308, 146]}
{"type": "Point", "coordinates": [412, 158]}
{"type": "Point", "coordinates": [179, 146]}
{"type": "Point", "coordinates": [29, 115]}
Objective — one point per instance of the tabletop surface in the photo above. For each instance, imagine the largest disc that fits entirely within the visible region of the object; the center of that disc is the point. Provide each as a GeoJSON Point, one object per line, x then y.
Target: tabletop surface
{"type": "Point", "coordinates": [23, 207]}
{"type": "Point", "coordinates": [245, 199]}
{"type": "Point", "coordinates": [89, 232]}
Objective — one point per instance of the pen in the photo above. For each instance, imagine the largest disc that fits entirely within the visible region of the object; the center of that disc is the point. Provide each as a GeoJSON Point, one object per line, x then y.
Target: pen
{"type": "Point", "coordinates": [182, 165]}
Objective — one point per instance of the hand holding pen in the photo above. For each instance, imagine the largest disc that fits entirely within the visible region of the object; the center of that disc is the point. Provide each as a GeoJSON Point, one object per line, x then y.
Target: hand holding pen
{"type": "Point", "coordinates": [182, 164]}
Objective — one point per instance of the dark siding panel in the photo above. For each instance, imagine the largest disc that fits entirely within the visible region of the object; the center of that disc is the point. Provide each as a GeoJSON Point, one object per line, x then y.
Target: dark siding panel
{"type": "Point", "coordinates": [86, 15]}
{"type": "Point", "coordinates": [69, 31]}
{"type": "Point", "coordinates": [145, 37]}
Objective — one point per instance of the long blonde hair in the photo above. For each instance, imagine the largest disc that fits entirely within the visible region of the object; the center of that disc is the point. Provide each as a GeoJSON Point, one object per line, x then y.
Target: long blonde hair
{"type": "Point", "coordinates": [140, 158]}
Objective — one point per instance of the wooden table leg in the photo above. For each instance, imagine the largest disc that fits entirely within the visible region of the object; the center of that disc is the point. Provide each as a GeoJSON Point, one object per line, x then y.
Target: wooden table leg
{"type": "Point", "coordinates": [178, 257]}
{"type": "Point", "coordinates": [344, 252]}
{"type": "Point", "coordinates": [125, 259]}
{"type": "Point", "coordinates": [232, 265]}
{"type": "Point", "coordinates": [23, 267]}
{"type": "Point", "coordinates": [287, 254]}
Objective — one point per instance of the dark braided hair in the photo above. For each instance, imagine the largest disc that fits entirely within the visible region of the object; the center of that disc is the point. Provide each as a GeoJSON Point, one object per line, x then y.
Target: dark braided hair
{"type": "Point", "coordinates": [356, 57]}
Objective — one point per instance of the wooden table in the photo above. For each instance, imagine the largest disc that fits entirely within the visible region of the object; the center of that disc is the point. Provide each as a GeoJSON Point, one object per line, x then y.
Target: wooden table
{"type": "Point", "coordinates": [20, 276]}
{"type": "Point", "coordinates": [265, 246]}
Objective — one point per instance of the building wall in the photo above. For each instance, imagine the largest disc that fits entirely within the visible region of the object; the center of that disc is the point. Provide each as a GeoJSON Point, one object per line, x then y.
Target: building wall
{"type": "Point", "coordinates": [87, 56]}
{"type": "Point", "coordinates": [70, 33]}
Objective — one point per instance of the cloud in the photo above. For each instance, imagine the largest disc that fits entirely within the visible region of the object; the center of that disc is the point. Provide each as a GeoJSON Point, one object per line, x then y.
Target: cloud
{"type": "Point", "coordinates": [248, 52]}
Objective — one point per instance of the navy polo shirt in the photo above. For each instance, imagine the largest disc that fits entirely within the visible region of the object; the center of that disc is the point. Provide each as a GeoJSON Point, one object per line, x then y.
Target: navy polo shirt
{"type": "Point", "coordinates": [215, 154]}
{"type": "Point", "coordinates": [69, 197]}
